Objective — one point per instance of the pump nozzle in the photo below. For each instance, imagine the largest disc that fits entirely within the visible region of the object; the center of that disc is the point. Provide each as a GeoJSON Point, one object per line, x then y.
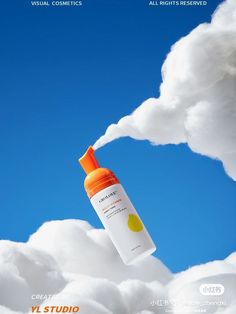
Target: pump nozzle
{"type": "Point", "coordinates": [88, 161]}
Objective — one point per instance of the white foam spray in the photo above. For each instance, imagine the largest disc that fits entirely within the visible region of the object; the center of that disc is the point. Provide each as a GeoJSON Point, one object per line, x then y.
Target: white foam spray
{"type": "Point", "coordinates": [197, 103]}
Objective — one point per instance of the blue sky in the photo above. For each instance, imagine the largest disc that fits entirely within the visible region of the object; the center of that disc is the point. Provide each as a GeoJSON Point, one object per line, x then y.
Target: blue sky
{"type": "Point", "coordinates": [66, 74]}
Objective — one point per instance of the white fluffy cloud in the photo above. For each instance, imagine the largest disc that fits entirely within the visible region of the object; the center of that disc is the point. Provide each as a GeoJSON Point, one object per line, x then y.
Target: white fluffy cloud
{"type": "Point", "coordinates": [23, 271]}
{"type": "Point", "coordinates": [92, 244]}
{"type": "Point", "coordinates": [197, 103]}
{"type": "Point", "coordinates": [79, 266]}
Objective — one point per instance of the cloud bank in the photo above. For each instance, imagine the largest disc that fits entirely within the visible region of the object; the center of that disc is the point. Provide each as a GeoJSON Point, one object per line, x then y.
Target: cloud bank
{"type": "Point", "coordinates": [79, 266]}
{"type": "Point", "coordinates": [197, 103]}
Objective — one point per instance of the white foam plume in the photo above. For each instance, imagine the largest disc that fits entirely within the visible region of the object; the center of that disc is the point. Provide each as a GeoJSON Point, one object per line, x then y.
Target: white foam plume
{"type": "Point", "coordinates": [197, 103]}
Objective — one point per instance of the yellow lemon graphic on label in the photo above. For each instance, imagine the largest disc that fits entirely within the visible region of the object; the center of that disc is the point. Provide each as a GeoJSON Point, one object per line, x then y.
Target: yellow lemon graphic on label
{"type": "Point", "coordinates": [134, 223]}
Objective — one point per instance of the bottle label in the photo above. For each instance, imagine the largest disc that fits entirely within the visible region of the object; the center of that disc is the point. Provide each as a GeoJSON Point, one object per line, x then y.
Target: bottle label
{"type": "Point", "coordinates": [121, 221]}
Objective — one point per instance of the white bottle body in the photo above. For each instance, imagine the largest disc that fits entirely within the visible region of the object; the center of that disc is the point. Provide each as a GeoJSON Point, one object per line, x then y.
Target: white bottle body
{"type": "Point", "coordinates": [122, 223]}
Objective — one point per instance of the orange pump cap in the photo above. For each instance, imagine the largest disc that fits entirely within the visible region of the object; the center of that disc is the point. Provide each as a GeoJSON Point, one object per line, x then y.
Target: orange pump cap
{"type": "Point", "coordinates": [88, 161]}
{"type": "Point", "coordinates": [97, 178]}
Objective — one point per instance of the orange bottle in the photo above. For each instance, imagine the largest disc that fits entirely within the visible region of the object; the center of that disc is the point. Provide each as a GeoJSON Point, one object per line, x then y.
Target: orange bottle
{"type": "Point", "coordinates": [116, 211]}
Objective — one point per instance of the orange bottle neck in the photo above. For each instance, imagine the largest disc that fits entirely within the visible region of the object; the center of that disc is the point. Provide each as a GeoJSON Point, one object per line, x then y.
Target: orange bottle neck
{"type": "Point", "coordinates": [99, 179]}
